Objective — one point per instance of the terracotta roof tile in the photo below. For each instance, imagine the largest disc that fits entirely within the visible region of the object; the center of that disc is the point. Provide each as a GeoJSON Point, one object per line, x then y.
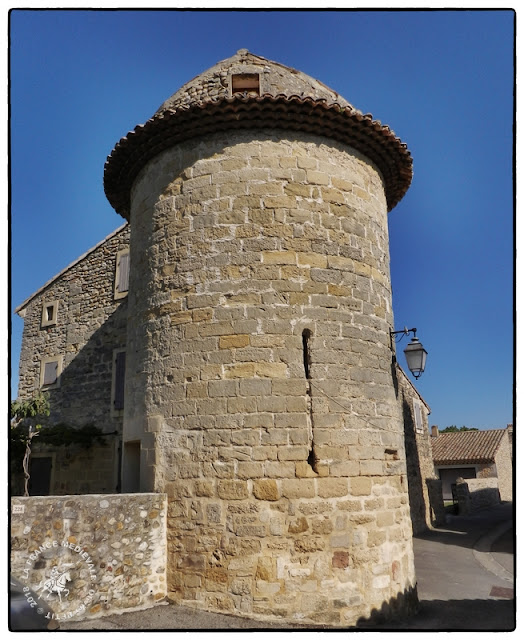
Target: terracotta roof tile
{"type": "Point", "coordinates": [341, 123]}
{"type": "Point", "coordinates": [466, 446]}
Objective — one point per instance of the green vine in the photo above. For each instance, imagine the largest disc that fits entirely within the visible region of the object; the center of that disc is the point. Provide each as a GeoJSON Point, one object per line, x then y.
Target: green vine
{"type": "Point", "coordinates": [26, 423]}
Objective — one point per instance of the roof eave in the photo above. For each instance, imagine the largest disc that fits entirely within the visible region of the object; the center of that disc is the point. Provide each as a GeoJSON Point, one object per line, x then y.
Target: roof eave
{"type": "Point", "coordinates": [343, 124]}
{"type": "Point", "coordinates": [21, 309]}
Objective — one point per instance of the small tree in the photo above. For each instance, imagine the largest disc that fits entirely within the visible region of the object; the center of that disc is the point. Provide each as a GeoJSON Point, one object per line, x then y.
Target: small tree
{"type": "Point", "coordinates": [25, 425]}
{"type": "Point", "coordinates": [27, 417]}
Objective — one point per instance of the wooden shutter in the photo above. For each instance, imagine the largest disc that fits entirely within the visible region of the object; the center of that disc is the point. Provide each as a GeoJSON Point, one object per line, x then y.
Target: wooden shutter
{"type": "Point", "coordinates": [418, 415]}
{"type": "Point", "coordinates": [50, 372]}
{"type": "Point", "coordinates": [120, 371]}
{"type": "Point", "coordinates": [123, 273]}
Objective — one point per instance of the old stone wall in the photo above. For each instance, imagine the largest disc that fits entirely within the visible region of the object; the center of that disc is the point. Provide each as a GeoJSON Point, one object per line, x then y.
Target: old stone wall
{"type": "Point", "coordinates": [90, 324]}
{"type": "Point", "coordinates": [260, 367]}
{"type": "Point", "coordinates": [425, 490]}
{"type": "Point", "coordinates": [88, 556]}
{"type": "Point", "coordinates": [74, 469]}
{"type": "Point", "coordinates": [476, 494]}
{"type": "Point", "coordinates": [504, 465]}
{"type": "Point", "coordinates": [274, 79]}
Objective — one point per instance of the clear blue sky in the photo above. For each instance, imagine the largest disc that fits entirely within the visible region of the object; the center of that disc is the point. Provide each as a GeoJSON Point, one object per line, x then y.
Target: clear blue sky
{"type": "Point", "coordinates": [442, 80]}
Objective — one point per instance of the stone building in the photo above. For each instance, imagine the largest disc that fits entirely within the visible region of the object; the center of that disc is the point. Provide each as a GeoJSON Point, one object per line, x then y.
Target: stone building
{"type": "Point", "coordinates": [478, 455]}
{"type": "Point", "coordinates": [258, 347]}
{"type": "Point", "coordinates": [425, 489]}
{"type": "Point", "coordinates": [261, 390]}
{"type": "Point", "coordinates": [73, 346]}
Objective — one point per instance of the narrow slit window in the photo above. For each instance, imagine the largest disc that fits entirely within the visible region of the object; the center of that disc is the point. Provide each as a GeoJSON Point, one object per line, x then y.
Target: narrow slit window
{"type": "Point", "coordinates": [306, 336]}
{"type": "Point", "coordinates": [119, 380]}
{"type": "Point", "coordinates": [245, 83]}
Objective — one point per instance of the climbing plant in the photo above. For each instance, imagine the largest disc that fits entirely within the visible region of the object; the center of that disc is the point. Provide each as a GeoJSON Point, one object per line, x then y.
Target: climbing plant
{"type": "Point", "coordinates": [27, 418]}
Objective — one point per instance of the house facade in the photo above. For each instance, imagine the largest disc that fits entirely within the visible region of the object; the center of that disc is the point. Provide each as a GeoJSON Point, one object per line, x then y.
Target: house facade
{"type": "Point", "coordinates": [73, 348]}
{"type": "Point", "coordinates": [425, 490]}
{"type": "Point", "coordinates": [473, 455]}
{"type": "Point", "coordinates": [250, 293]}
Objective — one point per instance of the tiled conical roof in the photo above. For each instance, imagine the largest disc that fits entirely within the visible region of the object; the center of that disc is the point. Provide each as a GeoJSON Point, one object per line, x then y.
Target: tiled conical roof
{"type": "Point", "coordinates": [248, 91]}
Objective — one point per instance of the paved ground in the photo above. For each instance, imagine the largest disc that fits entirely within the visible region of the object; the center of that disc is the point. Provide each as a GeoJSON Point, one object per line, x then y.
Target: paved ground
{"type": "Point", "coordinates": [465, 581]}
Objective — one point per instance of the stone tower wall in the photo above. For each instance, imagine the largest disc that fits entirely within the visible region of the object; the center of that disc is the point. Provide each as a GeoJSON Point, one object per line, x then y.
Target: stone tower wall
{"type": "Point", "coordinates": [260, 374]}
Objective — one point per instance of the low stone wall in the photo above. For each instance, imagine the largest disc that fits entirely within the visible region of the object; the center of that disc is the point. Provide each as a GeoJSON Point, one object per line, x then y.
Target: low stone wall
{"type": "Point", "coordinates": [475, 494]}
{"type": "Point", "coordinates": [91, 555]}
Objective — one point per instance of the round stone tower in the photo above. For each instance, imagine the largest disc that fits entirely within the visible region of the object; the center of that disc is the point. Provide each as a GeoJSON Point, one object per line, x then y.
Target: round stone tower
{"type": "Point", "coordinates": [260, 391]}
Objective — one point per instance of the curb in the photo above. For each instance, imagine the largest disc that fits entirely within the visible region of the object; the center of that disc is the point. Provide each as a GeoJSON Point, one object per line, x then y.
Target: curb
{"type": "Point", "coordinates": [482, 551]}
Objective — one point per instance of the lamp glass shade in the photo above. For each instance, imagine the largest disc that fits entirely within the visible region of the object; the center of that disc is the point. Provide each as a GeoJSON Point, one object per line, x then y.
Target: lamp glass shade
{"type": "Point", "coordinates": [415, 357]}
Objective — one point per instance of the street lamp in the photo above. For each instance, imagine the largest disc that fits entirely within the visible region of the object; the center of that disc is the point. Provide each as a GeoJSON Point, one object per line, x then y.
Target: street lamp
{"type": "Point", "coordinates": [414, 352]}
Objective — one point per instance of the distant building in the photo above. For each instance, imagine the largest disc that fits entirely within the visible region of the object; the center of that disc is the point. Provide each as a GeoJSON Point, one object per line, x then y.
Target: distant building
{"type": "Point", "coordinates": [473, 454]}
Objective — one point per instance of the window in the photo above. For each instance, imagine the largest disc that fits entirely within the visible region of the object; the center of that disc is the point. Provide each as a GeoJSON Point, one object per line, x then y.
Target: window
{"type": "Point", "coordinates": [122, 274]}
{"type": "Point", "coordinates": [119, 372]}
{"type": "Point", "coordinates": [50, 371]}
{"type": "Point", "coordinates": [245, 83]}
{"type": "Point", "coordinates": [417, 411]}
{"type": "Point", "coordinates": [49, 313]}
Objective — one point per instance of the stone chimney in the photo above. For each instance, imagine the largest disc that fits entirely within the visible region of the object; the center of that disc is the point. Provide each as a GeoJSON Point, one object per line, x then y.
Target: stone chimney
{"type": "Point", "coordinates": [434, 431]}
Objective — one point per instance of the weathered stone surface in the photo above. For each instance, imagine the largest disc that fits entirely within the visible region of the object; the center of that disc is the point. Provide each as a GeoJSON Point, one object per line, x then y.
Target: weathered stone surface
{"type": "Point", "coordinates": [90, 324]}
{"type": "Point", "coordinates": [266, 489]}
{"type": "Point", "coordinates": [119, 543]}
{"type": "Point", "coordinates": [272, 438]}
{"type": "Point", "coordinates": [260, 370]}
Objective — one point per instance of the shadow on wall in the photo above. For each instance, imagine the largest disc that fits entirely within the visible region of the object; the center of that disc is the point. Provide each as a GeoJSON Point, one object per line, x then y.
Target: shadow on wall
{"type": "Point", "coordinates": [476, 500]}
{"type": "Point", "coordinates": [415, 481]}
{"type": "Point", "coordinates": [436, 503]}
{"type": "Point", "coordinates": [448, 615]}
{"type": "Point", "coordinates": [84, 396]}
{"type": "Point", "coordinates": [85, 391]}
{"type": "Point", "coordinates": [399, 609]}
{"type": "Point", "coordinates": [421, 489]}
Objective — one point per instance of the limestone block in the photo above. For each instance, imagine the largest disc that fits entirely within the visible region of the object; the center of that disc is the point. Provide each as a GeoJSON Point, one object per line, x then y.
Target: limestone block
{"type": "Point", "coordinates": [332, 487]}
{"type": "Point", "coordinates": [266, 489]}
{"type": "Point", "coordinates": [360, 486]}
{"type": "Point", "coordinates": [233, 341]}
{"type": "Point", "coordinates": [303, 488]}
{"type": "Point", "coordinates": [232, 489]}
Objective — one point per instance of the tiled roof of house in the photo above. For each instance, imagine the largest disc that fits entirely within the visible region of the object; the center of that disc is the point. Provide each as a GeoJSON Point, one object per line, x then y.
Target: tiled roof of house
{"type": "Point", "coordinates": [472, 447]}
{"type": "Point", "coordinates": [288, 100]}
